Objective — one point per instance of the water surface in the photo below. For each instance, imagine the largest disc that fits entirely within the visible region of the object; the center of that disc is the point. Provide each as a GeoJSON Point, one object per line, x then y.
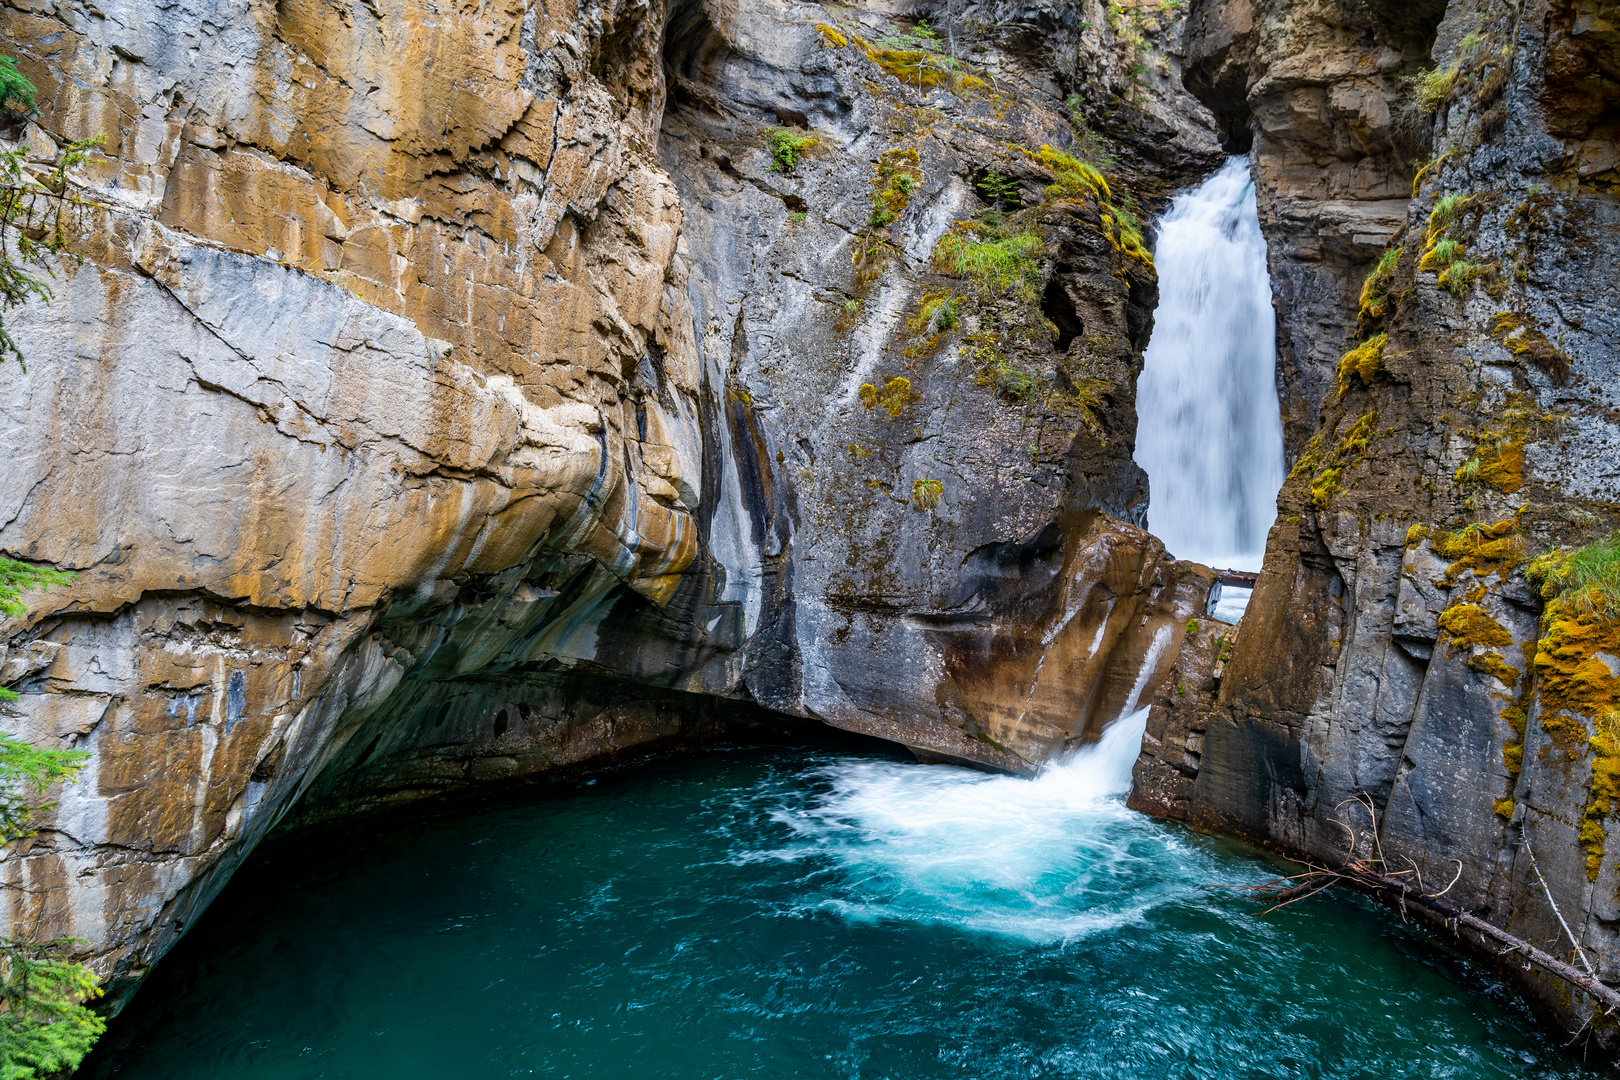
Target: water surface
{"type": "Point", "coordinates": [804, 912]}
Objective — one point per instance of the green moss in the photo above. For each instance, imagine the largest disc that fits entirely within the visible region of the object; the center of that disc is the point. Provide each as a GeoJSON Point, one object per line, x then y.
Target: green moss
{"type": "Point", "coordinates": [897, 177]}
{"type": "Point", "coordinates": [996, 373]}
{"type": "Point", "coordinates": [1467, 625]}
{"type": "Point", "coordinates": [1580, 622]}
{"type": "Point", "coordinates": [936, 312]}
{"type": "Point", "coordinates": [1503, 808]}
{"type": "Point", "coordinates": [1500, 465]}
{"type": "Point", "coordinates": [1192, 626]}
{"type": "Point", "coordinates": [1075, 178]}
{"type": "Point", "coordinates": [1324, 487]}
{"type": "Point", "coordinates": [1441, 254]}
{"type": "Point", "coordinates": [1481, 548]}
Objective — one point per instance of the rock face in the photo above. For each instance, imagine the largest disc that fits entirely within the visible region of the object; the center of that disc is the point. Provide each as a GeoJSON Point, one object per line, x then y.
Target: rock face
{"type": "Point", "coordinates": [455, 396]}
{"type": "Point", "coordinates": [1406, 654]}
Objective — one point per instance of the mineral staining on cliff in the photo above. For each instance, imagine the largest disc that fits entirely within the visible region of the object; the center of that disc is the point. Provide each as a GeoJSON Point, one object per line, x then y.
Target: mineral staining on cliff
{"type": "Point", "coordinates": [443, 402]}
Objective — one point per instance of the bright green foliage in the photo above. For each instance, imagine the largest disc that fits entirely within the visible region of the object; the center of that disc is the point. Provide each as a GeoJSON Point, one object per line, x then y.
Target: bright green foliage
{"type": "Point", "coordinates": [1075, 178]}
{"type": "Point", "coordinates": [1445, 212]}
{"type": "Point", "coordinates": [26, 769]}
{"type": "Point", "coordinates": [786, 147]}
{"type": "Point", "coordinates": [16, 92]}
{"type": "Point", "coordinates": [992, 257]}
{"type": "Point", "coordinates": [17, 578]}
{"type": "Point", "coordinates": [39, 214]}
{"type": "Point", "coordinates": [45, 1027]}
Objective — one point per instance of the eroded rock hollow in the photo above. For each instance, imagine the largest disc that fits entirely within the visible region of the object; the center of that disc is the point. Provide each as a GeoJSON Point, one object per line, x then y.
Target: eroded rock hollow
{"type": "Point", "coordinates": [453, 396]}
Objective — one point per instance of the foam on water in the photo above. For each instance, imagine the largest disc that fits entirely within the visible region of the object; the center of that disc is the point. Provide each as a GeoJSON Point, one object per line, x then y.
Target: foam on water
{"type": "Point", "coordinates": [1044, 859]}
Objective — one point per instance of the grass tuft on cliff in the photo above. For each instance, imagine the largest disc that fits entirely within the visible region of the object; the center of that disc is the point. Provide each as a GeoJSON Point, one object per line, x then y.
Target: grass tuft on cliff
{"type": "Point", "coordinates": [1589, 576]}
{"type": "Point", "coordinates": [995, 258]}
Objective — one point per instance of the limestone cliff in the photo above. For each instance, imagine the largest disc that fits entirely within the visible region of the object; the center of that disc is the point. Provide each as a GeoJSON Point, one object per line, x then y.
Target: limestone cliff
{"type": "Point", "coordinates": [456, 395]}
{"type": "Point", "coordinates": [1405, 644]}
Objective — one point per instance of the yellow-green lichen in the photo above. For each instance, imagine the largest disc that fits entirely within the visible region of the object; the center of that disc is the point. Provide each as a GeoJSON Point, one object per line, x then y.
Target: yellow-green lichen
{"type": "Point", "coordinates": [1364, 361]}
{"type": "Point", "coordinates": [893, 398]}
{"type": "Point", "coordinates": [1520, 335]}
{"type": "Point", "coordinates": [832, 36]}
{"type": "Point", "coordinates": [1484, 549]}
{"type": "Point", "coordinates": [1575, 671]}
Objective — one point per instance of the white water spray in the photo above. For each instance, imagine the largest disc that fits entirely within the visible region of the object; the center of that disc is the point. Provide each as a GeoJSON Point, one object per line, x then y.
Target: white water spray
{"type": "Point", "coordinates": [1210, 430]}
{"type": "Point", "coordinates": [1040, 860]}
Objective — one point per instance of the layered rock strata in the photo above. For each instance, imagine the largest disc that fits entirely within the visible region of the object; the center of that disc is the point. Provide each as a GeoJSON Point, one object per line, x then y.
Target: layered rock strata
{"type": "Point", "coordinates": [435, 407]}
{"type": "Point", "coordinates": [1420, 656]}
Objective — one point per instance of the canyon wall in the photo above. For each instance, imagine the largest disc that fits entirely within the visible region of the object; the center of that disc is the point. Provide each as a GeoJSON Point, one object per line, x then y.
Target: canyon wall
{"type": "Point", "coordinates": [451, 396]}
{"type": "Point", "coordinates": [1419, 662]}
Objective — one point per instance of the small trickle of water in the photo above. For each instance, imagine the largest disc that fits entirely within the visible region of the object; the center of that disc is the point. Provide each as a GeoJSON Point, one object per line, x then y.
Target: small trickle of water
{"type": "Point", "coordinates": [1210, 429]}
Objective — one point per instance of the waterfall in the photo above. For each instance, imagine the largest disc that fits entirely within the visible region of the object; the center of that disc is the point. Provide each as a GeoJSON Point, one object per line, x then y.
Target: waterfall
{"type": "Point", "coordinates": [1210, 430]}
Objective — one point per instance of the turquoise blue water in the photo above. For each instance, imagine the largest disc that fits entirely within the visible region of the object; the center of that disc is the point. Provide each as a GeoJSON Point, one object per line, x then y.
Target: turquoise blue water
{"type": "Point", "coordinates": [801, 912]}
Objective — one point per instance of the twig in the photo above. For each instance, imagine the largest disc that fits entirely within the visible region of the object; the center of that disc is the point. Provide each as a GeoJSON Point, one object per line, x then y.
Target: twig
{"type": "Point", "coordinates": [1584, 962]}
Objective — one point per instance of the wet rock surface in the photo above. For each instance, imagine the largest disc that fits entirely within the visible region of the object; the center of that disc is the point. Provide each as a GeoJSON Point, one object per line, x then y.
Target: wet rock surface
{"type": "Point", "coordinates": [449, 400]}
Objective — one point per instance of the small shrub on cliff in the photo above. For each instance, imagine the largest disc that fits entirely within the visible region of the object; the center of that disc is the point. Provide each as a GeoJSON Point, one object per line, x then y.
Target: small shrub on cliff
{"type": "Point", "coordinates": [786, 147]}
{"type": "Point", "coordinates": [1431, 89]}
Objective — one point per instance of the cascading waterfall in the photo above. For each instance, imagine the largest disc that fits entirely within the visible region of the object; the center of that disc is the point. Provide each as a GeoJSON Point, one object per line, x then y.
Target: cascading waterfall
{"type": "Point", "coordinates": [1209, 432]}
{"type": "Point", "coordinates": [805, 913]}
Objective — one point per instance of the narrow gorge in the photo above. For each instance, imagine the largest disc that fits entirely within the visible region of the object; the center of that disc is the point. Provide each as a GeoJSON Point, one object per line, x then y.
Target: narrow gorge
{"type": "Point", "coordinates": [1182, 428]}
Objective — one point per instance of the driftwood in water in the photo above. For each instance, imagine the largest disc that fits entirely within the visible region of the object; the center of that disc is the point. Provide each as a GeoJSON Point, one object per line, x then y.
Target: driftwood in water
{"type": "Point", "coordinates": [1371, 875]}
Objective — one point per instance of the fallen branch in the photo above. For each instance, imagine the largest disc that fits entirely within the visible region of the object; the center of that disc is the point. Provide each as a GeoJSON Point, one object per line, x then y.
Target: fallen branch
{"type": "Point", "coordinates": [1458, 918]}
{"type": "Point", "coordinates": [1372, 877]}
